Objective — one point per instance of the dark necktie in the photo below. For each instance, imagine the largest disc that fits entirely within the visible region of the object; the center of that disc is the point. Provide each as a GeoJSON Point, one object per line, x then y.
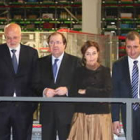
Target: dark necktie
{"type": "Point", "coordinates": [14, 61]}
{"type": "Point", "coordinates": [55, 68]}
{"type": "Point", "coordinates": [135, 77]}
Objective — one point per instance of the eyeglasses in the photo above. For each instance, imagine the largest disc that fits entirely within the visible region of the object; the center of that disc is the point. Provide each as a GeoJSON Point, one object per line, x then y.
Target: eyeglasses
{"type": "Point", "coordinates": [56, 42]}
{"type": "Point", "coordinates": [12, 38]}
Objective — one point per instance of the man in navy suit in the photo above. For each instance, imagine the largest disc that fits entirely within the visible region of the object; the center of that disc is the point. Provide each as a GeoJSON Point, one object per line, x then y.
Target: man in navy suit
{"type": "Point", "coordinates": [16, 80]}
{"type": "Point", "coordinates": [122, 84]}
{"type": "Point", "coordinates": [56, 117]}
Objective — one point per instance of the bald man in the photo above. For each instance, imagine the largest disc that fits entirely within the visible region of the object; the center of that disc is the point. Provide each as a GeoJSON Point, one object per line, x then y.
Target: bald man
{"type": "Point", "coordinates": [18, 65]}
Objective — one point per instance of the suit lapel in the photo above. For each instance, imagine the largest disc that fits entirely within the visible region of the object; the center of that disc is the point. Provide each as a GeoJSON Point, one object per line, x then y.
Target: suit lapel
{"type": "Point", "coordinates": [46, 68]}
{"type": "Point", "coordinates": [127, 75]}
{"type": "Point", "coordinates": [22, 59]}
{"type": "Point", "coordinates": [7, 58]}
{"type": "Point", "coordinates": [62, 68]}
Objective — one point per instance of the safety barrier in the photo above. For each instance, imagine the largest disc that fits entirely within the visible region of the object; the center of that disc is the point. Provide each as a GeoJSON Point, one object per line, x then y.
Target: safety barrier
{"type": "Point", "coordinates": [127, 101]}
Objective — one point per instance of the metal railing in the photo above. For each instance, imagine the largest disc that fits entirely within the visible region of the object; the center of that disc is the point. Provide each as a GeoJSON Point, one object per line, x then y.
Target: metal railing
{"type": "Point", "coordinates": [127, 101]}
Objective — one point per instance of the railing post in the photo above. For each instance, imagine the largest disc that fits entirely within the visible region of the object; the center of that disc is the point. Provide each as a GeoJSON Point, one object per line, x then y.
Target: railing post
{"type": "Point", "coordinates": [128, 120]}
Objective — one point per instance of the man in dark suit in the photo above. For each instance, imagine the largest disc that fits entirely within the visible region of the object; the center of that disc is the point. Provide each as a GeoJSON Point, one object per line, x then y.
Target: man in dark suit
{"type": "Point", "coordinates": [18, 64]}
{"type": "Point", "coordinates": [56, 117]}
{"type": "Point", "coordinates": [123, 85]}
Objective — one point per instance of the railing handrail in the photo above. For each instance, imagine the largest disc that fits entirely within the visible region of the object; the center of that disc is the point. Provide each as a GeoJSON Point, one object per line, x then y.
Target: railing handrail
{"type": "Point", "coordinates": [127, 101]}
{"type": "Point", "coordinates": [70, 99]}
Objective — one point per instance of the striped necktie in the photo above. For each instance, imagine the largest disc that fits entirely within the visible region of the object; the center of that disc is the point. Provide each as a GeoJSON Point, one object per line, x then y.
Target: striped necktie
{"type": "Point", "coordinates": [135, 78]}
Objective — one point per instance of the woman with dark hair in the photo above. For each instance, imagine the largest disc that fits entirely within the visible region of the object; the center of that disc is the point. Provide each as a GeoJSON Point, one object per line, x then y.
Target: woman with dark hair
{"type": "Point", "coordinates": [92, 121]}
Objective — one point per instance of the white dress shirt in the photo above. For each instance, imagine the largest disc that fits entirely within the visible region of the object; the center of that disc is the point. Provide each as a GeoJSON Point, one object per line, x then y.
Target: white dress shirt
{"type": "Point", "coordinates": [17, 56]}
{"type": "Point", "coordinates": [16, 53]}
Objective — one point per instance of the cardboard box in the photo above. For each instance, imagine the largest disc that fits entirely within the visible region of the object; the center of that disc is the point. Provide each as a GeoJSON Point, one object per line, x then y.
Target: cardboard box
{"type": "Point", "coordinates": [47, 16]}
{"type": "Point", "coordinates": [48, 25]}
{"type": "Point", "coordinates": [110, 0]}
{"type": "Point", "coordinates": [124, 26]}
{"type": "Point", "coordinates": [126, 15]}
{"type": "Point", "coordinates": [30, 26]}
{"type": "Point", "coordinates": [32, 16]}
{"type": "Point", "coordinates": [3, 17]}
{"type": "Point", "coordinates": [77, 26]}
{"type": "Point", "coordinates": [2, 26]}
{"type": "Point", "coordinates": [126, 0]}
{"type": "Point", "coordinates": [138, 16]}
{"type": "Point", "coordinates": [17, 16]}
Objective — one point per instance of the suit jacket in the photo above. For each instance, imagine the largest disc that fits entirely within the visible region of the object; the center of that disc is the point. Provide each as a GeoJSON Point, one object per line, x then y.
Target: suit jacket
{"type": "Point", "coordinates": [121, 87]}
{"type": "Point", "coordinates": [22, 82]}
{"type": "Point", "coordinates": [64, 78]}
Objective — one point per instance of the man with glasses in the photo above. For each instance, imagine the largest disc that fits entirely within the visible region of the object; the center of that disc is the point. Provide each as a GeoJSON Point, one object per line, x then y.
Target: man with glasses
{"type": "Point", "coordinates": [57, 72]}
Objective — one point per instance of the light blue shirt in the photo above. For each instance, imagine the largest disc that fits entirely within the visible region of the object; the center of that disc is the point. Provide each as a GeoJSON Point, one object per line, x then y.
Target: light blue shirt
{"type": "Point", "coordinates": [58, 63]}
{"type": "Point", "coordinates": [58, 66]}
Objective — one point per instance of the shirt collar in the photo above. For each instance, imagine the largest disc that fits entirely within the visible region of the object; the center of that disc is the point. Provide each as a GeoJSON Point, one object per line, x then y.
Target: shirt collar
{"type": "Point", "coordinates": [132, 60]}
{"type": "Point", "coordinates": [17, 48]}
{"type": "Point", "coordinates": [60, 57]}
